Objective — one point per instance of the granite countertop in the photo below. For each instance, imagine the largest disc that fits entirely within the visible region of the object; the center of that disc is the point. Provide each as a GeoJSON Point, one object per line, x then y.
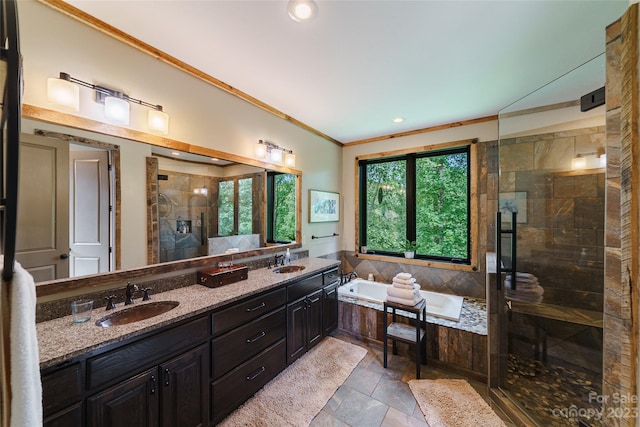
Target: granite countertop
{"type": "Point", "coordinates": [61, 339]}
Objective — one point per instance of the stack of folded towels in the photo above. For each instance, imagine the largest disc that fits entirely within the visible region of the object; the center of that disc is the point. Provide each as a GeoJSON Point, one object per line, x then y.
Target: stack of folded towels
{"type": "Point", "coordinates": [404, 290]}
{"type": "Point", "coordinates": [527, 288]}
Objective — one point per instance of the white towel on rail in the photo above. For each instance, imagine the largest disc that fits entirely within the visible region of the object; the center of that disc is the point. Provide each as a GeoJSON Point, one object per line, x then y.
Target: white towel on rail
{"type": "Point", "coordinates": [26, 386]}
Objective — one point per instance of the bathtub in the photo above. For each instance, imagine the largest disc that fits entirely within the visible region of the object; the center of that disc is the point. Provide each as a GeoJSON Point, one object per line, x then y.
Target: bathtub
{"type": "Point", "coordinates": [439, 305]}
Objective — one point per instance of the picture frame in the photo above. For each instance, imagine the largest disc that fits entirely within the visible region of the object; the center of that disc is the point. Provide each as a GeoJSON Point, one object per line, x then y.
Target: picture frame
{"type": "Point", "coordinates": [324, 206]}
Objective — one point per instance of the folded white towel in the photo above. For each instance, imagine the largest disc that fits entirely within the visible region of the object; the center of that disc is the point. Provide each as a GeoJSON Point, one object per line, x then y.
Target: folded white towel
{"type": "Point", "coordinates": [410, 287]}
{"type": "Point", "coordinates": [409, 302]}
{"type": "Point", "coordinates": [403, 276]}
{"type": "Point", "coordinates": [402, 293]}
{"type": "Point", "coordinates": [404, 281]}
{"type": "Point", "coordinates": [26, 386]}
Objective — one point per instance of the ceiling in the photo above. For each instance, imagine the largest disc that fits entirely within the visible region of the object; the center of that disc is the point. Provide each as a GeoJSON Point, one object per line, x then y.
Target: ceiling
{"type": "Point", "coordinates": [359, 64]}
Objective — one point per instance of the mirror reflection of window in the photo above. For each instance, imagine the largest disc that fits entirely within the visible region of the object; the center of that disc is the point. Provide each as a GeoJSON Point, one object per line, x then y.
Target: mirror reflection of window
{"type": "Point", "coordinates": [281, 205]}
{"type": "Point", "coordinates": [226, 209]}
{"type": "Point", "coordinates": [245, 206]}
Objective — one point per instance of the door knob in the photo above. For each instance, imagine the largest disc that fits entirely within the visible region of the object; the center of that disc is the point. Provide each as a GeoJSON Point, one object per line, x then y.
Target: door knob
{"type": "Point", "coordinates": [64, 256]}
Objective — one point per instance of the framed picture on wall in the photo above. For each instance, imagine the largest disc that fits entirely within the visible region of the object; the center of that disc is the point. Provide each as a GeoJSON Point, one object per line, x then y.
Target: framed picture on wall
{"type": "Point", "coordinates": [324, 206]}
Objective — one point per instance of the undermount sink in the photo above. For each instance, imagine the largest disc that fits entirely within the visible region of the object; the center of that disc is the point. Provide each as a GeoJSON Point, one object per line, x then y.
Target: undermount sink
{"type": "Point", "coordinates": [136, 313]}
{"type": "Point", "coordinates": [289, 269]}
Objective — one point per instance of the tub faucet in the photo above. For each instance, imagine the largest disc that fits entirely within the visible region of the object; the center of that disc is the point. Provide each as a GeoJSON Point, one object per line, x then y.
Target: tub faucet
{"type": "Point", "coordinates": [347, 277]}
{"type": "Point", "coordinates": [128, 300]}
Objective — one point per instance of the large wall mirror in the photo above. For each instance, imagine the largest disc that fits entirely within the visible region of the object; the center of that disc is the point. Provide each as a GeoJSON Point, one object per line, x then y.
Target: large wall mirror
{"type": "Point", "coordinates": [98, 199]}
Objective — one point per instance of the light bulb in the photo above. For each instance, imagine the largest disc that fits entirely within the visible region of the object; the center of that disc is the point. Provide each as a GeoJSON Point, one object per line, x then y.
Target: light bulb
{"type": "Point", "coordinates": [276, 155]}
{"type": "Point", "coordinates": [158, 121]}
{"type": "Point", "coordinates": [63, 93]}
{"type": "Point", "coordinates": [116, 110]}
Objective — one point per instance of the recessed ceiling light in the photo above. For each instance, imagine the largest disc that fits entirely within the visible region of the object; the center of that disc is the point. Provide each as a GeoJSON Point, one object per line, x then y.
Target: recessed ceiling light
{"type": "Point", "coordinates": [175, 153]}
{"type": "Point", "coordinates": [213, 159]}
{"type": "Point", "coordinates": [398, 120]}
{"type": "Point", "coordinates": [302, 10]}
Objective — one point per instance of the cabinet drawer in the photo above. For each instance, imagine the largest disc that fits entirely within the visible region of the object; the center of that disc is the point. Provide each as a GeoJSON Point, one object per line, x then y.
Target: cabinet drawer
{"type": "Point", "coordinates": [233, 348]}
{"type": "Point", "coordinates": [330, 276]}
{"type": "Point", "coordinates": [132, 358]}
{"type": "Point", "coordinates": [245, 311]}
{"type": "Point", "coordinates": [61, 388]}
{"type": "Point", "coordinates": [70, 417]}
{"type": "Point", "coordinates": [303, 287]}
{"type": "Point", "coordinates": [238, 385]}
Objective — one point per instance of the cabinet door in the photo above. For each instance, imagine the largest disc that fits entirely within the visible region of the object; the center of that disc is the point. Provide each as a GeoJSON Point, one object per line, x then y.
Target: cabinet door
{"type": "Point", "coordinates": [70, 417]}
{"type": "Point", "coordinates": [314, 318]}
{"type": "Point", "coordinates": [133, 403]}
{"type": "Point", "coordinates": [330, 308]}
{"type": "Point", "coordinates": [296, 329]}
{"type": "Point", "coordinates": [184, 388]}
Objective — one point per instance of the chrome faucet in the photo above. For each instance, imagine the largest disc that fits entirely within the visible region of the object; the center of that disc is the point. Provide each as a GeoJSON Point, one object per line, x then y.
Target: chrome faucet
{"type": "Point", "coordinates": [128, 300]}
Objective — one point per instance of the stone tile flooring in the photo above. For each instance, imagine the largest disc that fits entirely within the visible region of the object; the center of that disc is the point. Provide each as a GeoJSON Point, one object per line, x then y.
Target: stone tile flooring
{"type": "Point", "coordinates": [373, 396]}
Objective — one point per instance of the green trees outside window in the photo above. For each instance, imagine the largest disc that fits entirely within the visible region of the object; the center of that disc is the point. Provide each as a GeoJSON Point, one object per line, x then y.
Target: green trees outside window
{"type": "Point", "coordinates": [245, 206]}
{"type": "Point", "coordinates": [235, 206]}
{"type": "Point", "coordinates": [281, 207]}
{"type": "Point", "coordinates": [421, 197]}
{"type": "Point", "coordinates": [226, 210]}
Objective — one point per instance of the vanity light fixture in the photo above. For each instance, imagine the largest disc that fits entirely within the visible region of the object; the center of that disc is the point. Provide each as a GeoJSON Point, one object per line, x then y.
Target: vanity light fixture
{"type": "Point", "coordinates": [302, 10]}
{"type": "Point", "coordinates": [64, 91]}
{"type": "Point", "coordinates": [273, 153]}
{"type": "Point", "coordinates": [588, 161]}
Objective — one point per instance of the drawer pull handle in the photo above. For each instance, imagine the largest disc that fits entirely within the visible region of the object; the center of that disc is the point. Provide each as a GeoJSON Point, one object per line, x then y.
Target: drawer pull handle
{"type": "Point", "coordinates": [256, 374]}
{"type": "Point", "coordinates": [249, 310]}
{"type": "Point", "coordinates": [256, 338]}
{"type": "Point", "coordinates": [167, 376]}
{"type": "Point", "coordinates": [153, 384]}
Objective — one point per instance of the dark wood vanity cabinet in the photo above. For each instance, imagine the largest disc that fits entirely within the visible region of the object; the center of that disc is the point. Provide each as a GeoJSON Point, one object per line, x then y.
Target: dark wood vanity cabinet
{"type": "Point", "coordinates": [159, 380]}
{"type": "Point", "coordinates": [312, 311]}
{"type": "Point", "coordinates": [62, 394]}
{"type": "Point", "coordinates": [175, 393]}
{"type": "Point", "coordinates": [304, 325]}
{"type": "Point", "coordinates": [330, 308]}
{"type": "Point", "coordinates": [196, 372]}
{"type": "Point", "coordinates": [248, 349]}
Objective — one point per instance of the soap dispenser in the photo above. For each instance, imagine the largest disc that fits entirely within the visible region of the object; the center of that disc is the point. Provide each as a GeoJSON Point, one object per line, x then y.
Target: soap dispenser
{"type": "Point", "coordinates": [287, 257]}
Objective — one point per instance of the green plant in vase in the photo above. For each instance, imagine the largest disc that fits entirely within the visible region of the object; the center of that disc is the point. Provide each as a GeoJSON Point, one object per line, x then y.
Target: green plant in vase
{"type": "Point", "coordinates": [410, 248]}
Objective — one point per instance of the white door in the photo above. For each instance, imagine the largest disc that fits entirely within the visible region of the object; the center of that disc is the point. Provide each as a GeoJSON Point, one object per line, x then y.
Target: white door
{"type": "Point", "coordinates": [42, 235]}
{"type": "Point", "coordinates": [89, 212]}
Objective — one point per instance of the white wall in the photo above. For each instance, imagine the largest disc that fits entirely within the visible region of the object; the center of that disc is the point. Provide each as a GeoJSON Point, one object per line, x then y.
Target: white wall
{"type": "Point", "coordinates": [200, 114]}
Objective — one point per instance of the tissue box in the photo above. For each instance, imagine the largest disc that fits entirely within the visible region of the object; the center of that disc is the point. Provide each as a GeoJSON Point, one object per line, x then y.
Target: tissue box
{"type": "Point", "coordinates": [220, 276]}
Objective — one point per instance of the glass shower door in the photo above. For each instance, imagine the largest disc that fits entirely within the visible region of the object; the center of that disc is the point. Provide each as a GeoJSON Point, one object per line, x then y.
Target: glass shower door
{"type": "Point", "coordinates": [550, 329]}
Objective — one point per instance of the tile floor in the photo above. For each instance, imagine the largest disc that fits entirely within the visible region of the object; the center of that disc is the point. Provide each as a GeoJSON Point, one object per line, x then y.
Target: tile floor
{"type": "Point", "coordinates": [373, 396]}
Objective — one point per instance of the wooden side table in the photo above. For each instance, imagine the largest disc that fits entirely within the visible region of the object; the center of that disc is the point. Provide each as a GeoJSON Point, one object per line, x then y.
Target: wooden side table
{"type": "Point", "coordinates": [406, 333]}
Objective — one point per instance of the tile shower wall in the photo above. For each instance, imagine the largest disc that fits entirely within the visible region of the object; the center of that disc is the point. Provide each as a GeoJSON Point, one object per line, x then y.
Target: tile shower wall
{"type": "Point", "coordinates": [178, 205]}
{"type": "Point", "coordinates": [561, 225]}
